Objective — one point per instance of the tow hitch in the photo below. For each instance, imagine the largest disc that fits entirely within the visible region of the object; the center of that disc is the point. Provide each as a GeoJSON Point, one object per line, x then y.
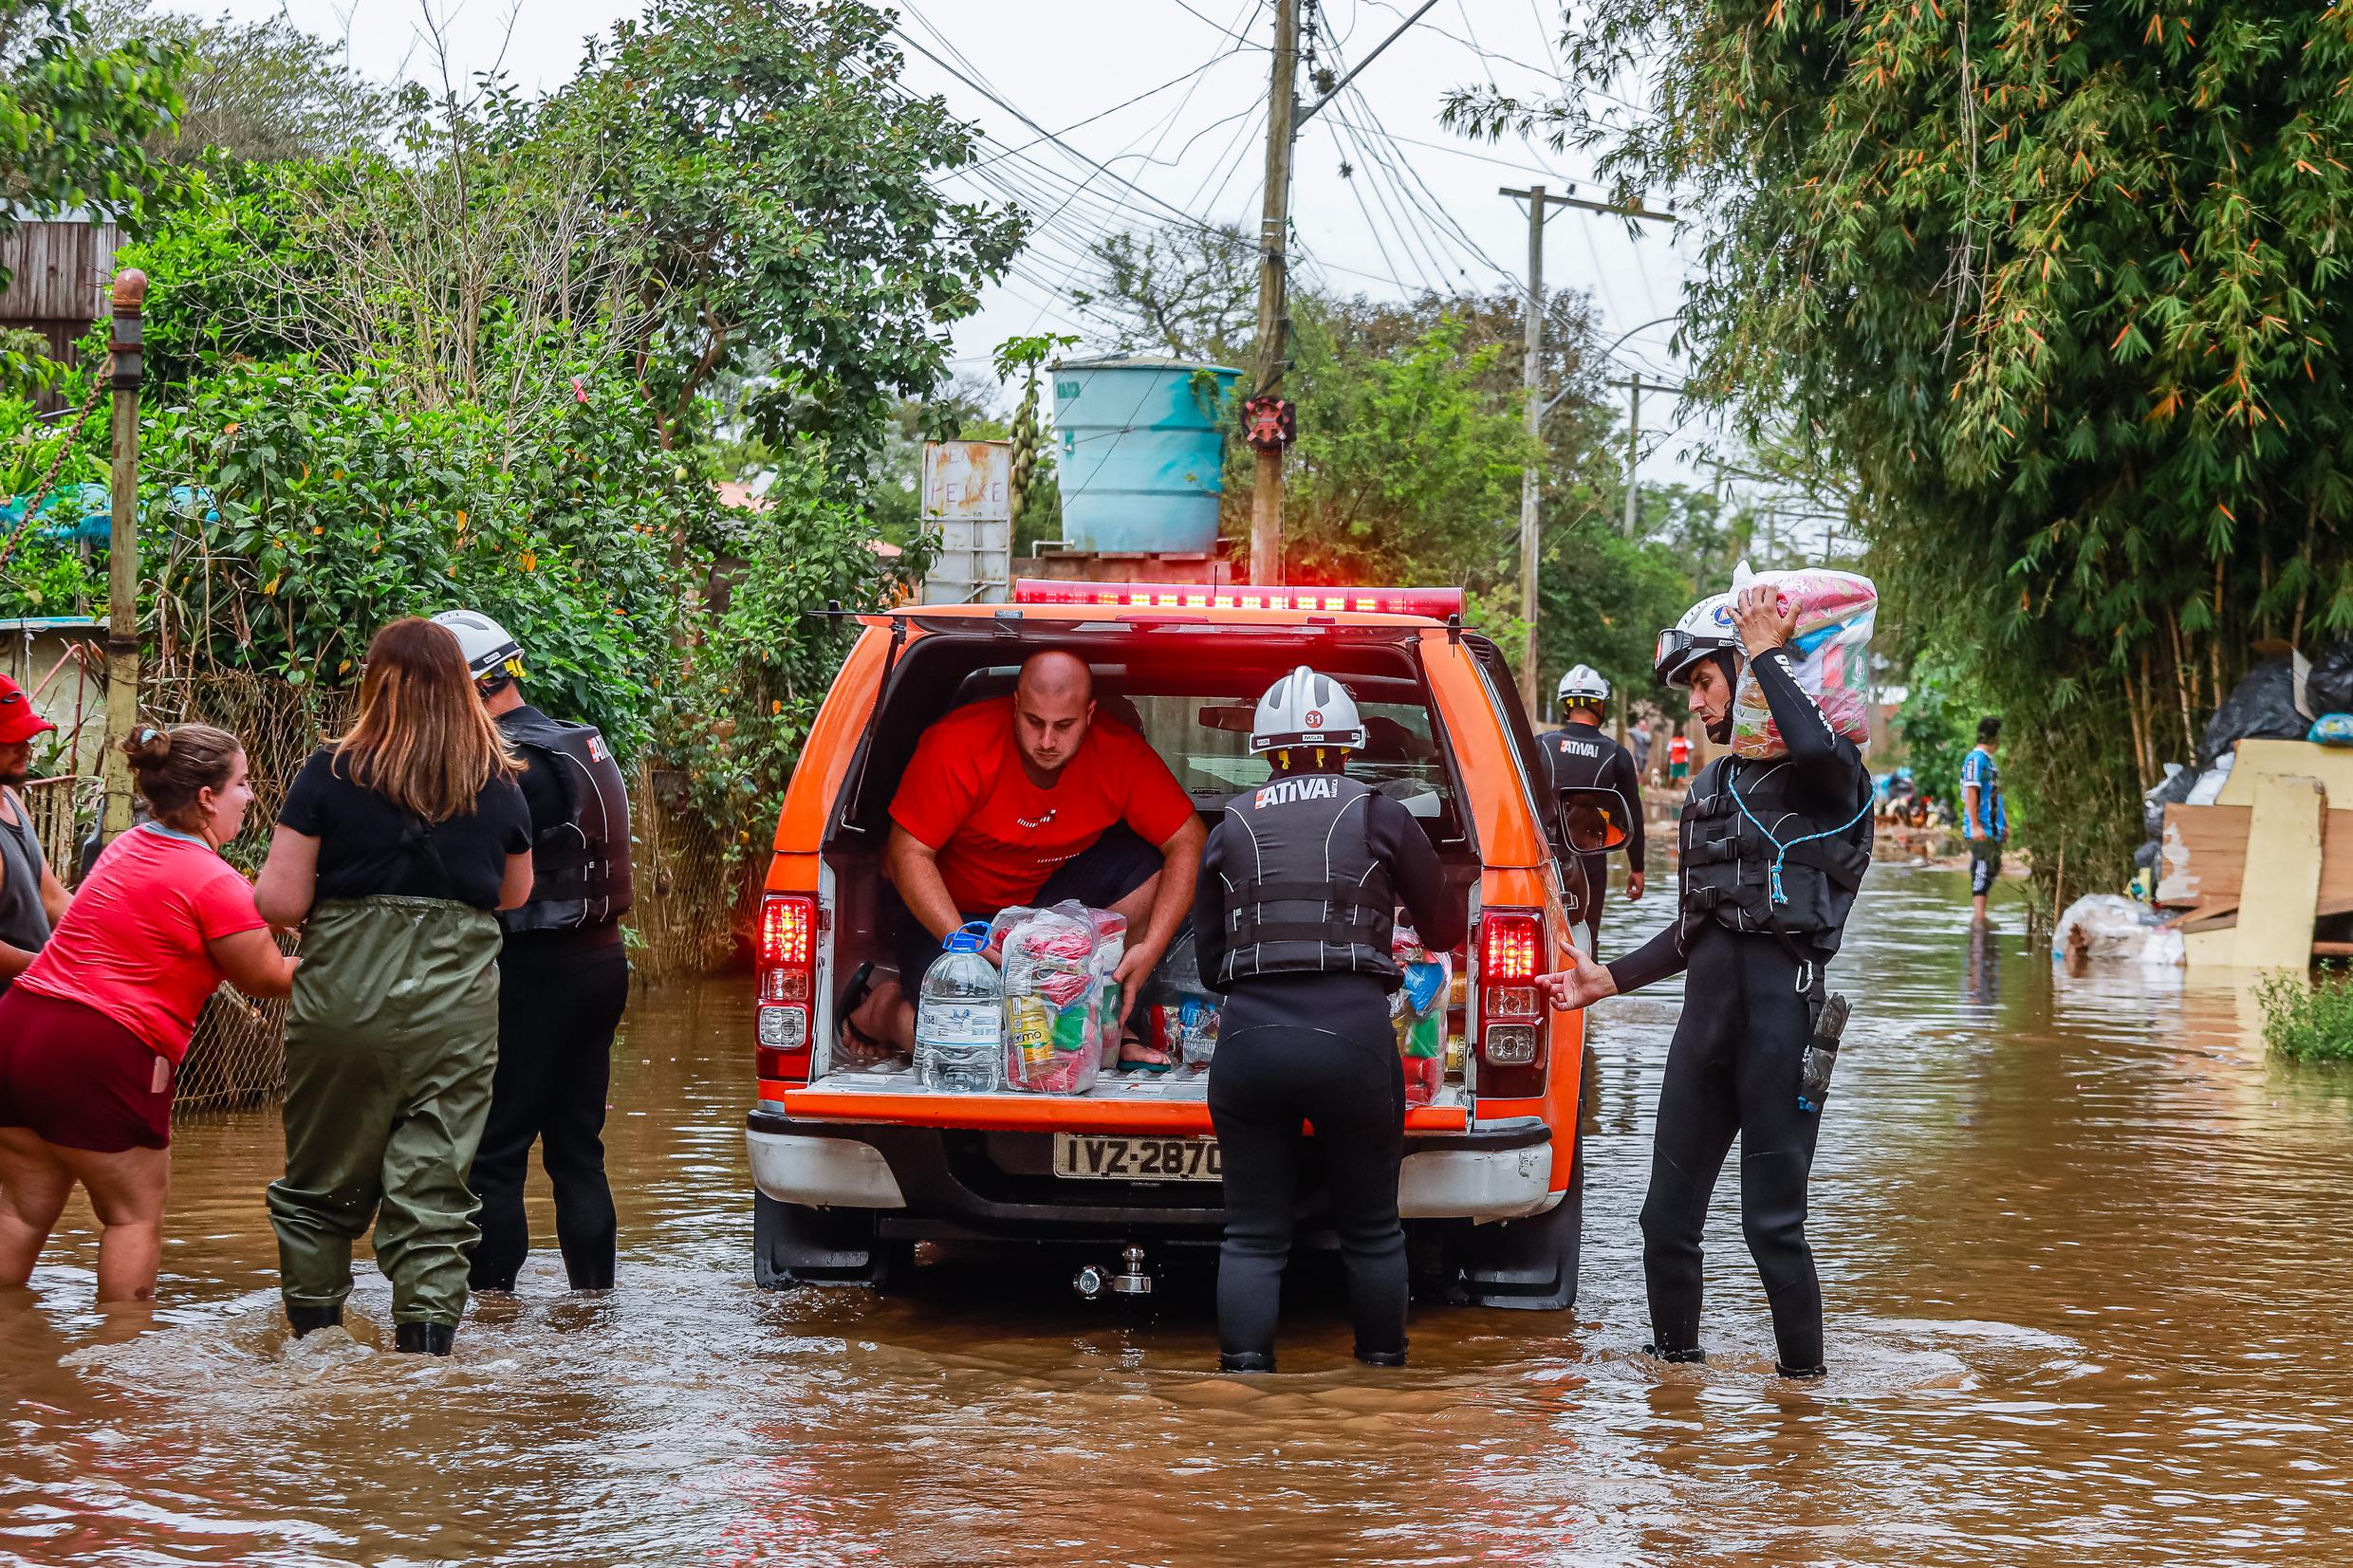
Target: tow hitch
{"type": "Point", "coordinates": [1092, 1279]}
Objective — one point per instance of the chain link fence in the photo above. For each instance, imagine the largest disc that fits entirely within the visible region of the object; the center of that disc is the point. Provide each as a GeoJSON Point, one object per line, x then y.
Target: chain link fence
{"type": "Point", "coordinates": [693, 906]}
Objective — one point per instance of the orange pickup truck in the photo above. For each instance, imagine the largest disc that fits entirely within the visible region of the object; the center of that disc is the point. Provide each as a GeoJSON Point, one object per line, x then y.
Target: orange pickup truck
{"type": "Point", "coordinates": [853, 1165]}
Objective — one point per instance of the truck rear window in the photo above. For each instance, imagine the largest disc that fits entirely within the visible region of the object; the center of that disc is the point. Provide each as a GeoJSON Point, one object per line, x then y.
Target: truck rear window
{"type": "Point", "coordinates": [1205, 741]}
{"type": "Point", "coordinates": [1193, 701]}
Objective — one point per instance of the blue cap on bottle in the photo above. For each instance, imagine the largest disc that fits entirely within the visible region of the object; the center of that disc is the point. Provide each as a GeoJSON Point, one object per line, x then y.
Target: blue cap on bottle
{"type": "Point", "coordinates": [972, 936]}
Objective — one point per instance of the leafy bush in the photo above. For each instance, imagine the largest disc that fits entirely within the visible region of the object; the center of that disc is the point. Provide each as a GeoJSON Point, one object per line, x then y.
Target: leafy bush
{"type": "Point", "coordinates": [2309, 1021]}
{"type": "Point", "coordinates": [336, 505]}
{"type": "Point", "coordinates": [763, 658]}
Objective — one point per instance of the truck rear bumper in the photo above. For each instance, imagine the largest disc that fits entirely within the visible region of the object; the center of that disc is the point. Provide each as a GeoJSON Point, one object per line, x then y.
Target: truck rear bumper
{"type": "Point", "coordinates": [949, 1182]}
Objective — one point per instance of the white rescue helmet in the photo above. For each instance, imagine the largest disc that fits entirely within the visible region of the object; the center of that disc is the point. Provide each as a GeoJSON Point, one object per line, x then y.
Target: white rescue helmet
{"type": "Point", "coordinates": [1584, 687]}
{"type": "Point", "coordinates": [491, 654]}
{"type": "Point", "coordinates": [1306, 709]}
{"type": "Point", "coordinates": [1705, 628]}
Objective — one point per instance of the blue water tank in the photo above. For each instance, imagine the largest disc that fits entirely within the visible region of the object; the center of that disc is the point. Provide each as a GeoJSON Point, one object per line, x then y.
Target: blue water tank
{"type": "Point", "coordinates": [1142, 453]}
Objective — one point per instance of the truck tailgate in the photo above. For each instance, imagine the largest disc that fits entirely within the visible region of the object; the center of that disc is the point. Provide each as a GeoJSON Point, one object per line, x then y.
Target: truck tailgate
{"type": "Point", "coordinates": [1152, 1106]}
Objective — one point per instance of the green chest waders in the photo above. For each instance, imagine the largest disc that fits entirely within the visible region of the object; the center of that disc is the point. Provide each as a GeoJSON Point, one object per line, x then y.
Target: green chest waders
{"type": "Point", "coordinates": [390, 1044]}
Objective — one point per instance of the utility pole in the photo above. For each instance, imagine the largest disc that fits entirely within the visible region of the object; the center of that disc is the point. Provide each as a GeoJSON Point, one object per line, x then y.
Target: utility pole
{"type": "Point", "coordinates": [1633, 450]}
{"type": "Point", "coordinates": [1541, 206]}
{"type": "Point", "coordinates": [1273, 267]}
{"type": "Point", "coordinates": [130, 292]}
{"type": "Point", "coordinates": [1531, 477]}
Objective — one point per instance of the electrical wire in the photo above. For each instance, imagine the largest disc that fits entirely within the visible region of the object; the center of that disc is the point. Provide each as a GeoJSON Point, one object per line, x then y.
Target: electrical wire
{"type": "Point", "coordinates": [1521, 166]}
{"type": "Point", "coordinates": [972, 80]}
{"type": "Point", "coordinates": [1398, 162]}
{"type": "Point", "coordinates": [1192, 76]}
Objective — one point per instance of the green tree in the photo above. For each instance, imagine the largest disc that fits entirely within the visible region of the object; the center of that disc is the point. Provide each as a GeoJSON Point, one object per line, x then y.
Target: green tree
{"type": "Point", "coordinates": [1186, 291]}
{"type": "Point", "coordinates": [232, 271]}
{"type": "Point", "coordinates": [262, 90]}
{"type": "Point", "coordinates": [74, 112]}
{"type": "Point", "coordinates": [1937, 724]}
{"type": "Point", "coordinates": [1407, 467]}
{"type": "Point", "coordinates": [778, 188]}
{"type": "Point", "coordinates": [2063, 289]}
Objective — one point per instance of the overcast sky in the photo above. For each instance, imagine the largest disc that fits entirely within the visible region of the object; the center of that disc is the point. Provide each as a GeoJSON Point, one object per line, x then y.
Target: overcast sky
{"type": "Point", "coordinates": [1421, 207]}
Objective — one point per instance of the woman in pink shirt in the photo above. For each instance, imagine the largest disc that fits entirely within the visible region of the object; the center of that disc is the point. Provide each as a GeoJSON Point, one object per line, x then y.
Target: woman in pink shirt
{"type": "Point", "coordinates": [92, 1034]}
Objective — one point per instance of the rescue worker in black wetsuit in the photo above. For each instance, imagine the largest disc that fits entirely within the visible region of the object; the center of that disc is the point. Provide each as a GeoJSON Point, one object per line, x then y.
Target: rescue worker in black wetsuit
{"type": "Point", "coordinates": [563, 982]}
{"type": "Point", "coordinates": [1300, 884]}
{"type": "Point", "coordinates": [1583, 758]}
{"type": "Point", "coordinates": [1772, 852]}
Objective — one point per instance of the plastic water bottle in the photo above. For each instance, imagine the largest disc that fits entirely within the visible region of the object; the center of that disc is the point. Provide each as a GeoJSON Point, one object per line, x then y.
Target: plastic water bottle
{"type": "Point", "coordinates": [959, 1017]}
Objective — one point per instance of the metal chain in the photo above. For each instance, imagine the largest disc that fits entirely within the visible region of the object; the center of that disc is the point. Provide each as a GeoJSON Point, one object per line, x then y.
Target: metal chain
{"type": "Point", "coordinates": [40, 491]}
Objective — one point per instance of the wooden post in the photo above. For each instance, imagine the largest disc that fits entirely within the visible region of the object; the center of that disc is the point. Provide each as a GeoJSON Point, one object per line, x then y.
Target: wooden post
{"type": "Point", "coordinates": [130, 292]}
{"type": "Point", "coordinates": [1265, 560]}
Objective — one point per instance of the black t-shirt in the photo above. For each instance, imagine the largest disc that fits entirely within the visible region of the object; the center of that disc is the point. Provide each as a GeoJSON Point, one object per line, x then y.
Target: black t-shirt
{"type": "Point", "coordinates": [368, 845]}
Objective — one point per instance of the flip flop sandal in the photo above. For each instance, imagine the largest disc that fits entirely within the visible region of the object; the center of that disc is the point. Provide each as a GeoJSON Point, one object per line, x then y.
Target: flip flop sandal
{"type": "Point", "coordinates": [853, 1045]}
{"type": "Point", "coordinates": [1124, 1065]}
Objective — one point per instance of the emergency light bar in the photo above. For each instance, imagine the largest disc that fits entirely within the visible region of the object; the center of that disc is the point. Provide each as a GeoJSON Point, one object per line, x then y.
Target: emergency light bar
{"type": "Point", "coordinates": [1437, 603]}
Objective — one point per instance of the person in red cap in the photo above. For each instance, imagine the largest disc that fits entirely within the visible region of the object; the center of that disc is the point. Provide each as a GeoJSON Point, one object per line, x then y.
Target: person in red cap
{"type": "Point", "coordinates": [32, 900]}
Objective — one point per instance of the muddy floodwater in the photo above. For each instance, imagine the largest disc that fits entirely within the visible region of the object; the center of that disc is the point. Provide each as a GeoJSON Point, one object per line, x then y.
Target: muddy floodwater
{"type": "Point", "coordinates": [2089, 1258]}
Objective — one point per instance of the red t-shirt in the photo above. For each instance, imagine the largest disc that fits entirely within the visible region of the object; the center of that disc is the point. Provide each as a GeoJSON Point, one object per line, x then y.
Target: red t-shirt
{"type": "Point", "coordinates": [132, 943]}
{"type": "Point", "coordinates": [999, 836]}
{"type": "Point", "coordinates": [1679, 749]}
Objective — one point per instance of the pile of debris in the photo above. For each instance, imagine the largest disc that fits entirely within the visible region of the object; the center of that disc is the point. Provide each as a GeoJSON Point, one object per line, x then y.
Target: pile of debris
{"type": "Point", "coordinates": [2287, 697]}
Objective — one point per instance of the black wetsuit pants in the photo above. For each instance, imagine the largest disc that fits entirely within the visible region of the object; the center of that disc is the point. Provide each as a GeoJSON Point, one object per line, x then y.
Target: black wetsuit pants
{"type": "Point", "coordinates": [558, 1009]}
{"type": "Point", "coordinates": [1596, 869]}
{"type": "Point", "coordinates": [1733, 1069]}
{"type": "Point", "coordinates": [1313, 1048]}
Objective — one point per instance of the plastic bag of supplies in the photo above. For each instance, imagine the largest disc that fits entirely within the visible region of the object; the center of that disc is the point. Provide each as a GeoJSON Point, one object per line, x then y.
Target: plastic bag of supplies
{"type": "Point", "coordinates": [1061, 1007]}
{"type": "Point", "coordinates": [1830, 654]}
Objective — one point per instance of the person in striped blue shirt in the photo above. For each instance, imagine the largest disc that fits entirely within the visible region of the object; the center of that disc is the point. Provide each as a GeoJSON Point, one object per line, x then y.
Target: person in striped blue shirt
{"type": "Point", "coordinates": [1985, 821]}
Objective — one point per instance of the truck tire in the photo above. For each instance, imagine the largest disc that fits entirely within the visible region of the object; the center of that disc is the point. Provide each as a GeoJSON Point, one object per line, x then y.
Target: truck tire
{"type": "Point", "coordinates": [1525, 1265]}
{"type": "Point", "coordinates": [794, 1244]}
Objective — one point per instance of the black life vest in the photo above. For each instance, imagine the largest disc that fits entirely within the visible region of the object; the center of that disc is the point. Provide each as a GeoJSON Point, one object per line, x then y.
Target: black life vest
{"type": "Point", "coordinates": [580, 867]}
{"type": "Point", "coordinates": [1319, 900]}
{"type": "Point", "coordinates": [1728, 859]}
{"type": "Point", "coordinates": [1579, 754]}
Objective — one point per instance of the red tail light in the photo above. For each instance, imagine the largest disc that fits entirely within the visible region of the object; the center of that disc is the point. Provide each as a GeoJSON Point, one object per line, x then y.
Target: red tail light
{"type": "Point", "coordinates": [788, 959]}
{"type": "Point", "coordinates": [1512, 1032]}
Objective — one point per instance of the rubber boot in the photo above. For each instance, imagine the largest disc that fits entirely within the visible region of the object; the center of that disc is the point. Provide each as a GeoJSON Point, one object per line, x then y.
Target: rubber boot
{"type": "Point", "coordinates": [1244, 1360]}
{"type": "Point", "coordinates": [423, 1338]}
{"type": "Point", "coordinates": [1380, 1357]}
{"type": "Point", "coordinates": [1691, 1358]}
{"type": "Point", "coordinates": [1802, 1374]}
{"type": "Point", "coordinates": [303, 1320]}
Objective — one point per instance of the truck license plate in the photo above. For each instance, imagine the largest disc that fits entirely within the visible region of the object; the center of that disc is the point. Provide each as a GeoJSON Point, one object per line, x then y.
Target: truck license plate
{"type": "Point", "coordinates": [1093, 1158]}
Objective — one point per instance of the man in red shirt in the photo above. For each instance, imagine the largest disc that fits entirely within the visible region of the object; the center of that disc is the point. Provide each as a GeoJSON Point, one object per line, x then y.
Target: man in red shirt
{"type": "Point", "coordinates": [1032, 799]}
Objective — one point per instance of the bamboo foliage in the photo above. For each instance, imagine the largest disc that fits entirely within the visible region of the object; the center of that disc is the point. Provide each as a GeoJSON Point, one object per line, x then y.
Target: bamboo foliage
{"type": "Point", "coordinates": [2063, 287]}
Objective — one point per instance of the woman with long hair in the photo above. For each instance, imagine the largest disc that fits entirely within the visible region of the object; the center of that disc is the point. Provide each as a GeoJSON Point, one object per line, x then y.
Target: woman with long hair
{"type": "Point", "coordinates": [92, 1033]}
{"type": "Point", "coordinates": [397, 844]}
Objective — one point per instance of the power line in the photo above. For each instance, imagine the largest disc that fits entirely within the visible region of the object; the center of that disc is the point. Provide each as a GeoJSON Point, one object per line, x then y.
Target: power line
{"type": "Point", "coordinates": [1437, 205]}
{"type": "Point", "coordinates": [1242, 39]}
{"type": "Point", "coordinates": [1517, 165]}
{"type": "Point", "coordinates": [994, 96]}
{"type": "Point", "coordinates": [1192, 76]}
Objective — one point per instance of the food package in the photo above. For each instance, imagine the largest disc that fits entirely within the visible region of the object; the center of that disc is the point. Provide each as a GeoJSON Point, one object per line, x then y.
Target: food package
{"type": "Point", "coordinates": [2331, 730]}
{"type": "Point", "coordinates": [1060, 1002]}
{"type": "Point", "coordinates": [1183, 1013]}
{"type": "Point", "coordinates": [1197, 1019]}
{"type": "Point", "coordinates": [1185, 1030]}
{"type": "Point", "coordinates": [1830, 654]}
{"type": "Point", "coordinates": [1418, 1013]}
